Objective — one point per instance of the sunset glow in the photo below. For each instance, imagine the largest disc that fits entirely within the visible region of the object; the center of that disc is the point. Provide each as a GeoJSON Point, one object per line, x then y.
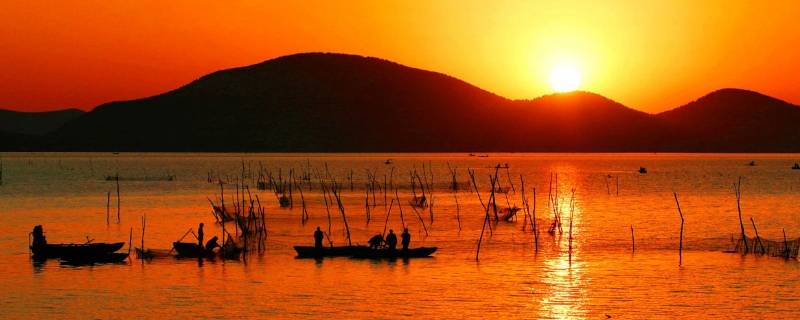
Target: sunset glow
{"type": "Point", "coordinates": [74, 53]}
{"type": "Point", "coordinates": [565, 78]}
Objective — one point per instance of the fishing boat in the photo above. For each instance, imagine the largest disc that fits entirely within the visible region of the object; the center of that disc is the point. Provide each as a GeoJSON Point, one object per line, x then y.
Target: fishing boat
{"type": "Point", "coordinates": [796, 166]}
{"type": "Point", "coordinates": [43, 250]}
{"type": "Point", "coordinates": [114, 257]}
{"type": "Point", "coordinates": [192, 250]}
{"type": "Point", "coordinates": [332, 251]}
{"type": "Point", "coordinates": [369, 253]}
{"type": "Point", "coordinates": [642, 170]}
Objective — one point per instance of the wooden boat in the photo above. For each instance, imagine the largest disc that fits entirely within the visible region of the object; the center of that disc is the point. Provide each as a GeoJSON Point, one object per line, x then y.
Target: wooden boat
{"type": "Point", "coordinates": [151, 253]}
{"type": "Point", "coordinates": [368, 253]}
{"type": "Point", "coordinates": [75, 250]}
{"type": "Point", "coordinates": [114, 257]}
{"type": "Point", "coordinates": [642, 170]}
{"type": "Point", "coordinates": [192, 250]}
{"type": "Point", "coordinates": [796, 166]}
{"type": "Point", "coordinates": [43, 250]}
{"type": "Point", "coordinates": [332, 251]}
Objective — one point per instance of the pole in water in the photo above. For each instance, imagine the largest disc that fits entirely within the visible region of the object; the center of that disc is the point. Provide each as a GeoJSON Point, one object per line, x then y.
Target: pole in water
{"type": "Point", "coordinates": [633, 241]}
{"type": "Point", "coordinates": [117, 197]}
{"type": "Point", "coordinates": [680, 246]}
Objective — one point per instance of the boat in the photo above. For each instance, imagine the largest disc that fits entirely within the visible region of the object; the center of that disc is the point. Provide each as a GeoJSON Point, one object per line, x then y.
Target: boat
{"type": "Point", "coordinates": [43, 250]}
{"type": "Point", "coordinates": [369, 253]}
{"type": "Point", "coordinates": [752, 164]}
{"type": "Point", "coordinates": [332, 251]}
{"type": "Point", "coordinates": [192, 250]}
{"type": "Point", "coordinates": [642, 170]}
{"type": "Point", "coordinates": [114, 257]}
{"type": "Point", "coordinates": [152, 253]}
{"type": "Point", "coordinates": [796, 166]}
{"type": "Point", "coordinates": [388, 161]}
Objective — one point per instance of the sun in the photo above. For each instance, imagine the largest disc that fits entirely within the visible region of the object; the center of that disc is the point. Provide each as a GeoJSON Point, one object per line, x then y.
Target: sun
{"type": "Point", "coordinates": [565, 78]}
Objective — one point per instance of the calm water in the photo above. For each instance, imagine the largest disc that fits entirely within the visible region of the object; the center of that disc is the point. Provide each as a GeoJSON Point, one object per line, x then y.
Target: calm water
{"type": "Point", "coordinates": [67, 194]}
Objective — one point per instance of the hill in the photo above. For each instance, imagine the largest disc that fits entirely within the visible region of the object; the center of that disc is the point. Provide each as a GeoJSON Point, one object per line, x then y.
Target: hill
{"type": "Point", "coordinates": [335, 102]}
{"type": "Point", "coordinates": [35, 123]}
{"type": "Point", "coordinates": [734, 120]}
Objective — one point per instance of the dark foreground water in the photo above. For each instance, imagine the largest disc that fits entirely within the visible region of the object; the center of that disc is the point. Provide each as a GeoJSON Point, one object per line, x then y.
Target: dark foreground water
{"type": "Point", "coordinates": [67, 193]}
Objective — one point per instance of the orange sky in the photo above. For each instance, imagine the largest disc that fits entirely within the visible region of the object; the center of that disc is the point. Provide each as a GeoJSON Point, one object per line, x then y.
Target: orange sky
{"type": "Point", "coordinates": [649, 55]}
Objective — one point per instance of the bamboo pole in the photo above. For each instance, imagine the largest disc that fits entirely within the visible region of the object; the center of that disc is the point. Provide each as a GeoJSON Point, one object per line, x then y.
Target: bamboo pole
{"type": "Point", "coordinates": [486, 216]}
{"type": "Point", "coordinates": [118, 201]}
{"type": "Point", "coordinates": [680, 246]}
{"type": "Point", "coordinates": [758, 239]}
{"type": "Point", "coordinates": [633, 241]}
{"type": "Point", "coordinates": [458, 210]}
{"type": "Point", "coordinates": [108, 207]}
{"type": "Point", "coordinates": [738, 190]}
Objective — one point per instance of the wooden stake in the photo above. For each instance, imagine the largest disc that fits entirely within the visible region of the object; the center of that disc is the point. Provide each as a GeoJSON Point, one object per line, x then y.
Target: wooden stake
{"type": "Point", "coordinates": [633, 241]}
{"type": "Point", "coordinates": [738, 189]}
{"type": "Point", "coordinates": [680, 246]}
{"type": "Point", "coordinates": [117, 197]}
{"type": "Point", "coordinates": [108, 206]}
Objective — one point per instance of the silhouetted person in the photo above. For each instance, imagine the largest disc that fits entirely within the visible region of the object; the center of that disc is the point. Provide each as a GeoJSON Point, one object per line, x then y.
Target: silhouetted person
{"type": "Point", "coordinates": [318, 235]}
{"type": "Point", "coordinates": [212, 243]}
{"type": "Point", "coordinates": [200, 235]}
{"type": "Point", "coordinates": [38, 236]}
{"type": "Point", "coordinates": [405, 239]}
{"type": "Point", "coordinates": [391, 240]}
{"type": "Point", "coordinates": [376, 241]}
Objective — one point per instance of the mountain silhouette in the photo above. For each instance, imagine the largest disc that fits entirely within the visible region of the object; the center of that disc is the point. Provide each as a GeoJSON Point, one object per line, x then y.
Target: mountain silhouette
{"type": "Point", "coordinates": [35, 123]}
{"type": "Point", "coordinates": [733, 120]}
{"type": "Point", "coordinates": [338, 102]}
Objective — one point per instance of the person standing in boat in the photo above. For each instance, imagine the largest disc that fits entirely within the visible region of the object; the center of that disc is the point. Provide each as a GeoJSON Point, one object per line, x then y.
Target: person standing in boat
{"type": "Point", "coordinates": [391, 240]}
{"type": "Point", "coordinates": [200, 235]}
{"type": "Point", "coordinates": [405, 239]}
{"type": "Point", "coordinates": [318, 238]}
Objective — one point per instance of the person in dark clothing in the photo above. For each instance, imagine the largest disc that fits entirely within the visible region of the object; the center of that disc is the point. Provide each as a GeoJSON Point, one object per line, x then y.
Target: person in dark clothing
{"type": "Point", "coordinates": [405, 239]}
{"type": "Point", "coordinates": [212, 243]}
{"type": "Point", "coordinates": [391, 240]}
{"type": "Point", "coordinates": [200, 235]}
{"type": "Point", "coordinates": [318, 236]}
{"type": "Point", "coordinates": [376, 241]}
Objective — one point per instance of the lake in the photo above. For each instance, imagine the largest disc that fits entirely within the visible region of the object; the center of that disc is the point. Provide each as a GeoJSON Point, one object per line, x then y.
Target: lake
{"type": "Point", "coordinates": [600, 276]}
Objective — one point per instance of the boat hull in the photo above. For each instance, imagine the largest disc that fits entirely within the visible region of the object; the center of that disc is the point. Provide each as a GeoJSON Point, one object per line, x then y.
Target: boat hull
{"type": "Point", "coordinates": [75, 251]}
{"type": "Point", "coordinates": [314, 252]}
{"type": "Point", "coordinates": [367, 253]}
{"type": "Point", "coordinates": [192, 250]}
{"type": "Point", "coordinates": [114, 257]}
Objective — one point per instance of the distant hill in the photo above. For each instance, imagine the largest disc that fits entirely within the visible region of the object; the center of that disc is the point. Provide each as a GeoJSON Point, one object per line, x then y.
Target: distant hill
{"type": "Point", "coordinates": [337, 102]}
{"type": "Point", "coordinates": [35, 123]}
{"type": "Point", "coordinates": [734, 120]}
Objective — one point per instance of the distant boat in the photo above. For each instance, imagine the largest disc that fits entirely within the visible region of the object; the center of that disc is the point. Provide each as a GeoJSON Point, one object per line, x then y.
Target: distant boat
{"type": "Point", "coordinates": [388, 161]}
{"type": "Point", "coordinates": [796, 166]}
{"type": "Point", "coordinates": [369, 253]}
{"type": "Point", "coordinates": [752, 164]}
{"type": "Point", "coordinates": [642, 170]}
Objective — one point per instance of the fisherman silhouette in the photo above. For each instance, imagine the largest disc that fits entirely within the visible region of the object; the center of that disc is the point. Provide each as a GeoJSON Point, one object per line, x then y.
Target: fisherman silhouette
{"type": "Point", "coordinates": [200, 235]}
{"type": "Point", "coordinates": [391, 240]}
{"type": "Point", "coordinates": [406, 239]}
{"type": "Point", "coordinates": [212, 243]}
{"type": "Point", "coordinates": [376, 241]}
{"type": "Point", "coordinates": [318, 238]}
